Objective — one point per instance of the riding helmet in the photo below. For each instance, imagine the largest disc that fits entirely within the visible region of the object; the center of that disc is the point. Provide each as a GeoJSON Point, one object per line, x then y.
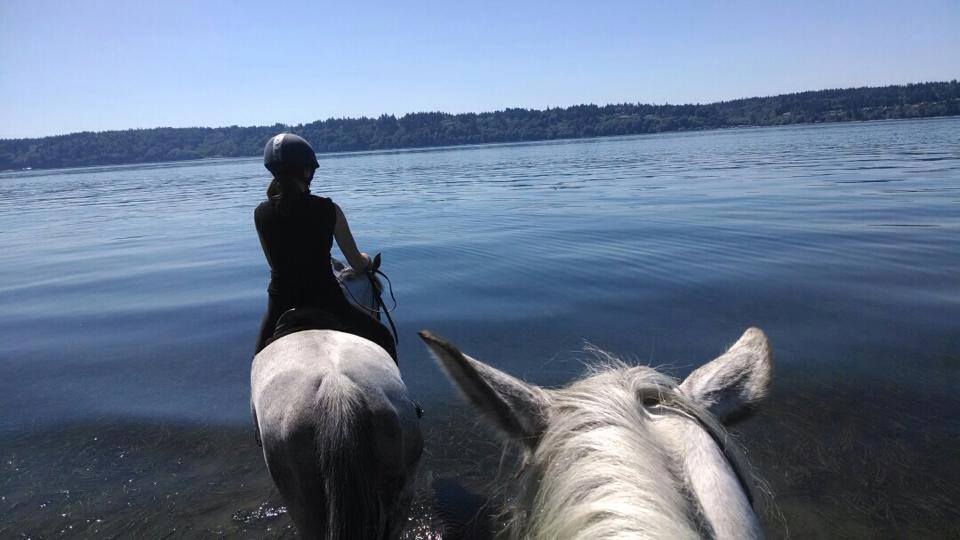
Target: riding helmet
{"type": "Point", "coordinates": [287, 153]}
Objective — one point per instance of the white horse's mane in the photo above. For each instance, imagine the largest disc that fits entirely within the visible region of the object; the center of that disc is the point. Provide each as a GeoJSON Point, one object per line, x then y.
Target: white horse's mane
{"type": "Point", "coordinates": [600, 467]}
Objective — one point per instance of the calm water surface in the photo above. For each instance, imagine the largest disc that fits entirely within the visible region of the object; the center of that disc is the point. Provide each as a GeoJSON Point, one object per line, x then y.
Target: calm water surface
{"type": "Point", "coordinates": [130, 297]}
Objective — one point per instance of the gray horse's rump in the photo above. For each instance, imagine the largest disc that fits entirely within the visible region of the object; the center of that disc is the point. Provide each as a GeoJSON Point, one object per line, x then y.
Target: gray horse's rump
{"type": "Point", "coordinates": [340, 434]}
{"type": "Point", "coordinates": [321, 465]}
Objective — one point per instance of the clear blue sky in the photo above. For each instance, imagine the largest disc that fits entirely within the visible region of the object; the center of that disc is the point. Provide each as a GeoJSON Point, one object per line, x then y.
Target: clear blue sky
{"type": "Point", "coordinates": [82, 65]}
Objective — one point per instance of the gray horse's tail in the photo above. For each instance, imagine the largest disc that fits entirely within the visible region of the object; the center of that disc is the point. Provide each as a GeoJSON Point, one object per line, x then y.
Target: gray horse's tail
{"type": "Point", "coordinates": [346, 463]}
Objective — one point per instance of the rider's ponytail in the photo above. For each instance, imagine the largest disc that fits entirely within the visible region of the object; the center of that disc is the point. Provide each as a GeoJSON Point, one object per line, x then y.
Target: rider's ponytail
{"type": "Point", "coordinates": [284, 188]}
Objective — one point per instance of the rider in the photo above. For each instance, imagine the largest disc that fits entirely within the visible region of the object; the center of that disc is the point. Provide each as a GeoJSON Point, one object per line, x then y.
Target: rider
{"type": "Point", "coordinates": [296, 232]}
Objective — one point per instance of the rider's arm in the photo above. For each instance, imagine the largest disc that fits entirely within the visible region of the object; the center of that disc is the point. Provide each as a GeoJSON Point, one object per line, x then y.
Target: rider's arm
{"type": "Point", "coordinates": [341, 232]}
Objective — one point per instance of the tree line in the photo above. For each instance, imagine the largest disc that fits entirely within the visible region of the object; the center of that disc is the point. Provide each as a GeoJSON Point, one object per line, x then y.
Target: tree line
{"type": "Point", "coordinates": [424, 129]}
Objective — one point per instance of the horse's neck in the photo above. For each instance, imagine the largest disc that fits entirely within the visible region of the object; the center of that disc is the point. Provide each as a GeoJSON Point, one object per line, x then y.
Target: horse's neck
{"type": "Point", "coordinates": [604, 481]}
{"type": "Point", "coordinates": [710, 478]}
{"type": "Point", "coordinates": [360, 290]}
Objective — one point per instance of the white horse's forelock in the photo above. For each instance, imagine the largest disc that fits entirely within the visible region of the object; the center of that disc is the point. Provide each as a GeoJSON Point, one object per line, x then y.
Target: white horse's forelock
{"type": "Point", "coordinates": [601, 468]}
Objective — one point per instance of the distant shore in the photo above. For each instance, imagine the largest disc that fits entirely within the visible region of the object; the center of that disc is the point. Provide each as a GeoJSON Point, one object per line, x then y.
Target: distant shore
{"type": "Point", "coordinates": [437, 129]}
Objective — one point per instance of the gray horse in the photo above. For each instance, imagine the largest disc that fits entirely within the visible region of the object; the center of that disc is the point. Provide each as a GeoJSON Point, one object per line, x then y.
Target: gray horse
{"type": "Point", "coordinates": [341, 437]}
{"type": "Point", "coordinates": [626, 452]}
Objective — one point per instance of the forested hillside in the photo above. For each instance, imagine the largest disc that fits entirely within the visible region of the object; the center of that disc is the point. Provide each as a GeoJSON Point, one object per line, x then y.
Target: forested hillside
{"type": "Point", "coordinates": [437, 128]}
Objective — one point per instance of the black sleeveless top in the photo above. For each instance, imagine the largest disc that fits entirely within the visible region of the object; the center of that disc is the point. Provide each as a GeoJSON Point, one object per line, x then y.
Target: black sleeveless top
{"type": "Point", "coordinates": [296, 236]}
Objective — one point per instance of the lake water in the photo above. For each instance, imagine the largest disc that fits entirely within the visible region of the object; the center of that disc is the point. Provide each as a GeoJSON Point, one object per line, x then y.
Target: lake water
{"type": "Point", "coordinates": [130, 298]}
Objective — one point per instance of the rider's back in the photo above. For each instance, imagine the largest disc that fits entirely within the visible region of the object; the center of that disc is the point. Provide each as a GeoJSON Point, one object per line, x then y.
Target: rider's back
{"type": "Point", "coordinates": [296, 236]}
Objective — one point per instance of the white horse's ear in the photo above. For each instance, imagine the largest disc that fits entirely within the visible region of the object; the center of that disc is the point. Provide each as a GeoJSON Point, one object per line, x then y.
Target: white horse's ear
{"type": "Point", "coordinates": [730, 384]}
{"type": "Point", "coordinates": [513, 406]}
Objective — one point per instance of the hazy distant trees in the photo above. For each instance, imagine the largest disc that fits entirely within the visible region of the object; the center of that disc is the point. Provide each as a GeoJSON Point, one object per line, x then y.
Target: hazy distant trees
{"type": "Point", "coordinates": [437, 129]}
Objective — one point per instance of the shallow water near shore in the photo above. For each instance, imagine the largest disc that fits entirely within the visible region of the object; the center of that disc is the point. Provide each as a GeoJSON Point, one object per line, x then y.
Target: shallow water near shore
{"type": "Point", "coordinates": [130, 297]}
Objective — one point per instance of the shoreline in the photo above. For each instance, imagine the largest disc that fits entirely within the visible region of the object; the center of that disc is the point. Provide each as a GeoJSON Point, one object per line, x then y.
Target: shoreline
{"type": "Point", "coordinates": [443, 148]}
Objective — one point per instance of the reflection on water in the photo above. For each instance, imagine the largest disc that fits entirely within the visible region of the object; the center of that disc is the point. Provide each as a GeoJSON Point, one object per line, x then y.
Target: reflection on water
{"type": "Point", "coordinates": [129, 299]}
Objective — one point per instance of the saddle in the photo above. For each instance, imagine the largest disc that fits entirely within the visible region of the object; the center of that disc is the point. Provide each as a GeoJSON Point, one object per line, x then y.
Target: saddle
{"type": "Point", "coordinates": [299, 319]}
{"type": "Point", "coordinates": [312, 318]}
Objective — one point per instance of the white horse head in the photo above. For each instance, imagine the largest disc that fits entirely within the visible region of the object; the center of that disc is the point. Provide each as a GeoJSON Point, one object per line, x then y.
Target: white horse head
{"type": "Point", "coordinates": [341, 437]}
{"type": "Point", "coordinates": [357, 287]}
{"type": "Point", "coordinates": [626, 452]}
